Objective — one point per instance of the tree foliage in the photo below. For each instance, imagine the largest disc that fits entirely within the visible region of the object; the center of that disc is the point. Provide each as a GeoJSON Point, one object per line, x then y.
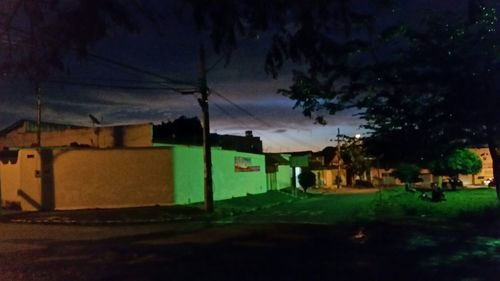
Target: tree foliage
{"type": "Point", "coordinates": [441, 89]}
{"type": "Point", "coordinates": [460, 161]}
{"type": "Point", "coordinates": [354, 155]}
{"type": "Point", "coordinates": [424, 90]}
{"type": "Point", "coordinates": [407, 173]}
{"type": "Point", "coordinates": [36, 35]}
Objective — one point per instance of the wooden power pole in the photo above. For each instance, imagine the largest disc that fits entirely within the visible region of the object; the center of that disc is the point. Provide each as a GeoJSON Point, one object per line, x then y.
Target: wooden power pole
{"type": "Point", "coordinates": [338, 179]}
{"type": "Point", "coordinates": [207, 153]}
{"type": "Point", "coordinates": [38, 115]}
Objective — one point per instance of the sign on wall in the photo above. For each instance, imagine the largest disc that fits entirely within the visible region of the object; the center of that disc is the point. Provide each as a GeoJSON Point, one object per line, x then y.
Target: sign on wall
{"type": "Point", "coordinates": [244, 164]}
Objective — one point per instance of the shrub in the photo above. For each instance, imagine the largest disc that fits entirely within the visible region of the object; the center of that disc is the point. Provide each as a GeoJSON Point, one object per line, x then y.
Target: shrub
{"type": "Point", "coordinates": [363, 183]}
{"type": "Point", "coordinates": [307, 179]}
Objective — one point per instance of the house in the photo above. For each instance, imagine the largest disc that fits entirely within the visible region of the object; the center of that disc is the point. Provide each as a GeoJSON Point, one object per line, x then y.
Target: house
{"type": "Point", "coordinates": [486, 170]}
{"type": "Point", "coordinates": [110, 167]}
{"type": "Point", "coordinates": [326, 172]}
{"type": "Point", "coordinates": [188, 131]}
{"type": "Point", "coordinates": [278, 171]}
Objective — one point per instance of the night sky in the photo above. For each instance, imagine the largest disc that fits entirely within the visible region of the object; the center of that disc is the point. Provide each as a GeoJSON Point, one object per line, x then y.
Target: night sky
{"type": "Point", "coordinates": [249, 101]}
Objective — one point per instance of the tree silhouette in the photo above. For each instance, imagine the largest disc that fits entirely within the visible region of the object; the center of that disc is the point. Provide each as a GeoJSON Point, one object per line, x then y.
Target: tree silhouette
{"type": "Point", "coordinates": [425, 90]}
{"type": "Point", "coordinates": [407, 173]}
{"type": "Point", "coordinates": [36, 35]}
{"type": "Point", "coordinates": [307, 179]}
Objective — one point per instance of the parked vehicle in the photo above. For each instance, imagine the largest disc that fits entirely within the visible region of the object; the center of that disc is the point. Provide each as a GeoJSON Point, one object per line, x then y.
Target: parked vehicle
{"type": "Point", "coordinates": [492, 183]}
{"type": "Point", "coordinates": [452, 183]}
{"type": "Point", "coordinates": [489, 181]}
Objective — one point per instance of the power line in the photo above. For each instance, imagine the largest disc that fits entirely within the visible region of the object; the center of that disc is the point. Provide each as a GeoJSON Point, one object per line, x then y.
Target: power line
{"type": "Point", "coordinates": [111, 80]}
{"type": "Point", "coordinates": [139, 70]}
{"type": "Point", "coordinates": [168, 79]}
{"type": "Point", "coordinates": [241, 108]}
{"type": "Point", "coordinates": [97, 85]}
{"type": "Point", "coordinates": [296, 140]}
{"type": "Point", "coordinates": [123, 65]}
{"type": "Point", "coordinates": [240, 122]}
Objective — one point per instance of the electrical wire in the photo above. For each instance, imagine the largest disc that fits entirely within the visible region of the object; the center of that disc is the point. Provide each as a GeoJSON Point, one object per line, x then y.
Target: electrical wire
{"type": "Point", "coordinates": [139, 70]}
{"type": "Point", "coordinates": [266, 123]}
{"type": "Point", "coordinates": [123, 65]}
{"type": "Point", "coordinates": [234, 118]}
{"type": "Point", "coordinates": [97, 85]}
{"type": "Point", "coordinates": [167, 79]}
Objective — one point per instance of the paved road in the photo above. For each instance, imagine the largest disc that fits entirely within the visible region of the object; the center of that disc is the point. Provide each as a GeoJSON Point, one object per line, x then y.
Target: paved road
{"type": "Point", "coordinates": [277, 244]}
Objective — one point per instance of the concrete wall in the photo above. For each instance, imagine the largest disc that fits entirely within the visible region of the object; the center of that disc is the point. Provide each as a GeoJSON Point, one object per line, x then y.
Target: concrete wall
{"type": "Point", "coordinates": [230, 183]}
{"type": "Point", "coordinates": [112, 178]}
{"type": "Point", "coordinates": [10, 181]}
{"type": "Point", "coordinates": [284, 176]}
{"type": "Point", "coordinates": [227, 183]}
{"type": "Point", "coordinates": [108, 178]}
{"type": "Point", "coordinates": [103, 137]}
{"type": "Point", "coordinates": [382, 176]}
{"type": "Point", "coordinates": [90, 178]}
{"type": "Point", "coordinates": [30, 191]}
{"type": "Point", "coordinates": [328, 177]}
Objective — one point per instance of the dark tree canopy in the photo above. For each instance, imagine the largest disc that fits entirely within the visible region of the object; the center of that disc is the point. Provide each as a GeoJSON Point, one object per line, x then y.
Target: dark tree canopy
{"type": "Point", "coordinates": [36, 35]}
{"type": "Point", "coordinates": [353, 153]}
{"type": "Point", "coordinates": [407, 173]}
{"type": "Point", "coordinates": [182, 130]}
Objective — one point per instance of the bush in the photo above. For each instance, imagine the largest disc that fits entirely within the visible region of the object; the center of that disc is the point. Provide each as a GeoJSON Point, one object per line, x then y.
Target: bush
{"type": "Point", "coordinates": [363, 183]}
{"type": "Point", "coordinates": [307, 179]}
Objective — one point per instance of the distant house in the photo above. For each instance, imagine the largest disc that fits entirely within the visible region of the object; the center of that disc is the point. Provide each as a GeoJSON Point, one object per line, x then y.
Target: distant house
{"type": "Point", "coordinates": [278, 171]}
{"type": "Point", "coordinates": [188, 131]}
{"type": "Point", "coordinates": [326, 172]}
{"type": "Point", "coordinates": [486, 170]}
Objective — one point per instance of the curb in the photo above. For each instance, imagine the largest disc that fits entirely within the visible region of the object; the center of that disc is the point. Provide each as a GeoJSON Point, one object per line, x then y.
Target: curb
{"type": "Point", "coordinates": [213, 217]}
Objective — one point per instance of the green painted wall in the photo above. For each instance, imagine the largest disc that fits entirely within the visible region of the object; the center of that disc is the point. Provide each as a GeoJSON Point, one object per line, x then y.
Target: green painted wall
{"type": "Point", "coordinates": [284, 176]}
{"type": "Point", "coordinates": [227, 183]}
{"type": "Point", "coordinates": [187, 171]}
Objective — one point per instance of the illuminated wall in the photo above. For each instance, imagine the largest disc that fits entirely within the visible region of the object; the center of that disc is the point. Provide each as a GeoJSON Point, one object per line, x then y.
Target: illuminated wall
{"type": "Point", "coordinates": [112, 178]}
{"type": "Point", "coordinates": [487, 168]}
{"type": "Point", "coordinates": [227, 182]}
{"type": "Point", "coordinates": [10, 181]}
{"type": "Point", "coordinates": [284, 176]}
{"type": "Point", "coordinates": [91, 178]}
{"type": "Point", "coordinates": [29, 191]}
{"type": "Point", "coordinates": [109, 178]}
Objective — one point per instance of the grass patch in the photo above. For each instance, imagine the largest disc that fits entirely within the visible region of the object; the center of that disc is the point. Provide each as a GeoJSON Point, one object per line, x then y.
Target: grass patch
{"type": "Point", "coordinates": [465, 204]}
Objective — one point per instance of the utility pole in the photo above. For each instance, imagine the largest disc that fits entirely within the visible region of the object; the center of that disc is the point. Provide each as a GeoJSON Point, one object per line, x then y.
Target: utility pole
{"type": "Point", "coordinates": [38, 115]}
{"type": "Point", "coordinates": [207, 153]}
{"type": "Point", "coordinates": [339, 179]}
